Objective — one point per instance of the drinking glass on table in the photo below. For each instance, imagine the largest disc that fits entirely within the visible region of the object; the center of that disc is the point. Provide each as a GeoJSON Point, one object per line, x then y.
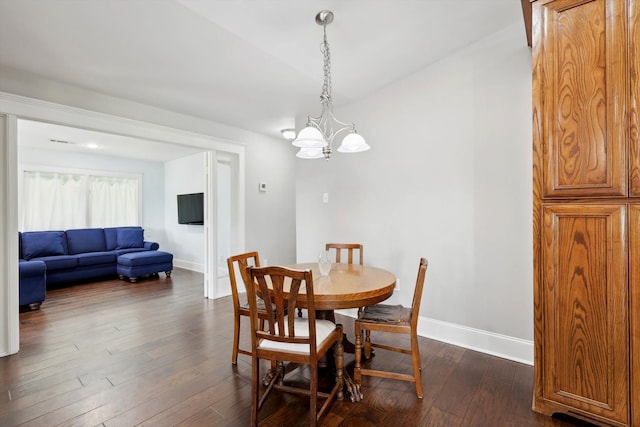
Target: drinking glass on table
{"type": "Point", "coordinates": [324, 263]}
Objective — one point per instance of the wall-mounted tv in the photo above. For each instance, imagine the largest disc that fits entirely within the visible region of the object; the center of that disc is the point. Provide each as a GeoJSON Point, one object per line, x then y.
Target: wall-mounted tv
{"type": "Point", "coordinates": [191, 208]}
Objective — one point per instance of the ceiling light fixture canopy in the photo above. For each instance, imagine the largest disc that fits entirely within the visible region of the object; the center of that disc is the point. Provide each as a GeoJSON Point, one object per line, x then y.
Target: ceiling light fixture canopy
{"type": "Point", "coordinates": [316, 139]}
{"type": "Point", "coordinates": [288, 134]}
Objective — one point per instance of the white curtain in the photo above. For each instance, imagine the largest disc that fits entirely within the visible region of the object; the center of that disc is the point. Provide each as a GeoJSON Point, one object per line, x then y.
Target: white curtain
{"type": "Point", "coordinates": [53, 201]}
{"type": "Point", "coordinates": [60, 201]}
{"type": "Point", "coordinates": [113, 201]}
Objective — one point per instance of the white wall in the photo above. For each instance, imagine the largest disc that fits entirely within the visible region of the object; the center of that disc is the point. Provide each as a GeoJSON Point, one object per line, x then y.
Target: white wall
{"type": "Point", "coordinates": [448, 178]}
{"type": "Point", "coordinates": [270, 225]}
{"type": "Point", "coordinates": [152, 179]}
{"type": "Point", "coordinates": [184, 176]}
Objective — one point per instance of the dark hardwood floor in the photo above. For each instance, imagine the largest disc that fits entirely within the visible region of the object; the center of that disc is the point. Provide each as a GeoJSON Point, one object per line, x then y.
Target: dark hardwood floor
{"type": "Point", "coordinates": [156, 353]}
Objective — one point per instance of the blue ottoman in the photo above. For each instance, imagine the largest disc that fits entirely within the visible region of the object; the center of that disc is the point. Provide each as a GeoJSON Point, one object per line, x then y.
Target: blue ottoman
{"type": "Point", "coordinates": [135, 264]}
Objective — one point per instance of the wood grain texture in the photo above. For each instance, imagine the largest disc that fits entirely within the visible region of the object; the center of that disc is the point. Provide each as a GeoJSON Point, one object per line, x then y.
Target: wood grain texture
{"type": "Point", "coordinates": [156, 353]}
{"type": "Point", "coordinates": [634, 100]}
{"type": "Point", "coordinates": [584, 97]}
{"type": "Point", "coordinates": [634, 304]}
{"type": "Point", "coordinates": [538, 81]}
{"type": "Point", "coordinates": [586, 340]}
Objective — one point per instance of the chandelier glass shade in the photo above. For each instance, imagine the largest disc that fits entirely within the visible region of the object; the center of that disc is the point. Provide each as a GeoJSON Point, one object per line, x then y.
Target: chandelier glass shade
{"type": "Point", "coordinates": [310, 137]}
{"type": "Point", "coordinates": [316, 138]}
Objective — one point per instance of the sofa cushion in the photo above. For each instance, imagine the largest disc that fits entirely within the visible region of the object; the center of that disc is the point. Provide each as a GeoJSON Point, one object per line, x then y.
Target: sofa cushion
{"type": "Point", "coordinates": [85, 240]}
{"type": "Point", "coordinates": [43, 243]}
{"type": "Point", "coordinates": [111, 235]}
{"type": "Point", "coordinates": [96, 258]}
{"type": "Point", "coordinates": [130, 238]}
{"type": "Point", "coordinates": [59, 262]}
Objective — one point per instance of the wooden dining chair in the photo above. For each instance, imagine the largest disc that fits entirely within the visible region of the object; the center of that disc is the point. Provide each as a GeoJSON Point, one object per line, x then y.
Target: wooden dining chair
{"type": "Point", "coordinates": [239, 263]}
{"type": "Point", "coordinates": [395, 319]}
{"type": "Point", "coordinates": [350, 248]}
{"type": "Point", "coordinates": [291, 338]}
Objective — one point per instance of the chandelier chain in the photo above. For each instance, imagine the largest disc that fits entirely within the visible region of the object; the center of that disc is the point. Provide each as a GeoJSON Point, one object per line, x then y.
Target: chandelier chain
{"type": "Point", "coordinates": [326, 86]}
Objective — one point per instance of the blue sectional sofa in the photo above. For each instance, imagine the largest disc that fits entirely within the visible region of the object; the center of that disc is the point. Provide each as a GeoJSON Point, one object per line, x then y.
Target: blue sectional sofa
{"type": "Point", "coordinates": [74, 255]}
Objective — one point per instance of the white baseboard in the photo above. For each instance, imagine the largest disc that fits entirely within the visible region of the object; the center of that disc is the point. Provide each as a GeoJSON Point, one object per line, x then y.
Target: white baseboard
{"type": "Point", "coordinates": [187, 265]}
{"type": "Point", "coordinates": [504, 346]}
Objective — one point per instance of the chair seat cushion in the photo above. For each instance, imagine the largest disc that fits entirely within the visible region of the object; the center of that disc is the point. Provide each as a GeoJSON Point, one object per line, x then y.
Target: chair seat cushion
{"type": "Point", "coordinates": [261, 306]}
{"type": "Point", "coordinates": [324, 328]}
{"type": "Point", "coordinates": [386, 313]}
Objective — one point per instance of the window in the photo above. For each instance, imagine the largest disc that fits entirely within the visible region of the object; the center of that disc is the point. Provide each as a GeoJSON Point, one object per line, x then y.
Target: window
{"type": "Point", "coordinates": [60, 200]}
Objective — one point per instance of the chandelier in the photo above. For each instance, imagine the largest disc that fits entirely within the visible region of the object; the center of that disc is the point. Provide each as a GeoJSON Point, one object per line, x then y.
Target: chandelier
{"type": "Point", "coordinates": [316, 139]}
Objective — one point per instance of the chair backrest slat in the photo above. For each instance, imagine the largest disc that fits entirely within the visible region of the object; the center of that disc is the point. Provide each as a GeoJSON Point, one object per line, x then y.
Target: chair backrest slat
{"type": "Point", "coordinates": [350, 248]}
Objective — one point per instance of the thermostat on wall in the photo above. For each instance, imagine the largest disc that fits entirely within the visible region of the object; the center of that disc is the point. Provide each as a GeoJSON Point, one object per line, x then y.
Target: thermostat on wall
{"type": "Point", "coordinates": [262, 187]}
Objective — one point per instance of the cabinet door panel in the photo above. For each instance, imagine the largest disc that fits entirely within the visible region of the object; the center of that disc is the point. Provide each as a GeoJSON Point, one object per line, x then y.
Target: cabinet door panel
{"type": "Point", "coordinates": [586, 343]}
{"type": "Point", "coordinates": [580, 59]}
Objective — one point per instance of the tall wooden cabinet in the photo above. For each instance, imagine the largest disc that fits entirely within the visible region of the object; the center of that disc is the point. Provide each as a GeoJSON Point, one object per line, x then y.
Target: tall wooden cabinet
{"type": "Point", "coordinates": [586, 171]}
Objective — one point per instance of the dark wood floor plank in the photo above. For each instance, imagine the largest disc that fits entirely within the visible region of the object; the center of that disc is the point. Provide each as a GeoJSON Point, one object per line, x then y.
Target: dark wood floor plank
{"type": "Point", "coordinates": [439, 418]}
{"type": "Point", "coordinates": [41, 411]}
{"type": "Point", "coordinates": [19, 402]}
{"type": "Point", "coordinates": [461, 385]}
{"type": "Point", "coordinates": [156, 353]}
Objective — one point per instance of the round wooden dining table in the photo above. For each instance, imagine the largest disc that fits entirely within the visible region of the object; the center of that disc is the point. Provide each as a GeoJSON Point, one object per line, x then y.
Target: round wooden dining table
{"type": "Point", "coordinates": [347, 286]}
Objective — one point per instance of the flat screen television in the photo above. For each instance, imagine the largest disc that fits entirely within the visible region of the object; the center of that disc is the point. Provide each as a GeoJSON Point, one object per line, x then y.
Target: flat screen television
{"type": "Point", "coordinates": [191, 208]}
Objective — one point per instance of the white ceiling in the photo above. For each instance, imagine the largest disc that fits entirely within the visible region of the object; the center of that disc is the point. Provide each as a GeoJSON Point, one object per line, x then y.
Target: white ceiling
{"type": "Point", "coordinates": [253, 64]}
{"type": "Point", "coordinates": [63, 138]}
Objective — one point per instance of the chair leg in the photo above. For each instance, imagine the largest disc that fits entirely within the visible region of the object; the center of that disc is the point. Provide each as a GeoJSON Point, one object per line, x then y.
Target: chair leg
{"type": "Point", "coordinates": [358, 354]}
{"type": "Point", "coordinates": [367, 344]}
{"type": "Point", "coordinates": [338, 355]}
{"type": "Point", "coordinates": [280, 371]}
{"type": "Point", "coordinates": [255, 390]}
{"type": "Point", "coordinates": [313, 396]}
{"type": "Point", "coordinates": [236, 340]}
{"type": "Point", "coordinates": [417, 364]}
